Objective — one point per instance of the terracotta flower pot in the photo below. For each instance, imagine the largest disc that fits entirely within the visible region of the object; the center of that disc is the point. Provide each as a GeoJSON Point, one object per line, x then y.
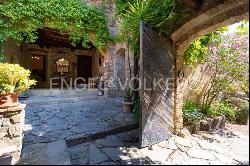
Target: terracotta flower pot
{"type": "Point", "coordinates": [128, 106]}
{"type": "Point", "coordinates": [8, 100]}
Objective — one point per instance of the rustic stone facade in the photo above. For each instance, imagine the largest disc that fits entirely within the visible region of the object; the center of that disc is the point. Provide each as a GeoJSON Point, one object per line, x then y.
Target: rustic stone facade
{"type": "Point", "coordinates": [11, 131]}
{"type": "Point", "coordinates": [117, 59]}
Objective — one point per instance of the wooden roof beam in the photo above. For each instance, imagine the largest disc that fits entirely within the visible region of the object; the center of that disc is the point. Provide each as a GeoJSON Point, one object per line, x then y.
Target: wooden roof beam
{"type": "Point", "coordinates": [55, 37]}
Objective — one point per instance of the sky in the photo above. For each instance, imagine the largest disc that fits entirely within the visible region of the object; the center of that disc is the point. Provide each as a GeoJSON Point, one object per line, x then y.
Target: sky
{"type": "Point", "coordinates": [233, 28]}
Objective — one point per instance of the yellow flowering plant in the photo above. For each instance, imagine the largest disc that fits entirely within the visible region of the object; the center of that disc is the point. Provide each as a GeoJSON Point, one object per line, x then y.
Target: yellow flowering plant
{"type": "Point", "coordinates": [14, 79]}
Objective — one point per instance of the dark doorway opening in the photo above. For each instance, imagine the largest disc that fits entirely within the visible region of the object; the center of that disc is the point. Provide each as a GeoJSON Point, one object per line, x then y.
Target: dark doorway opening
{"type": "Point", "coordinates": [84, 67]}
{"type": "Point", "coordinates": [38, 67]}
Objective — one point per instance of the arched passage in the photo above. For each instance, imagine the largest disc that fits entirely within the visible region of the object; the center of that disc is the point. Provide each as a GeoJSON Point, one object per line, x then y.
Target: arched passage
{"type": "Point", "coordinates": [208, 20]}
{"type": "Point", "coordinates": [120, 65]}
{"type": "Point", "coordinates": [210, 16]}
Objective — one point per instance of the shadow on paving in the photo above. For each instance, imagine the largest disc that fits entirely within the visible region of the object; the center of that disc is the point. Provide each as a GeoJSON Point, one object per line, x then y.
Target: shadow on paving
{"type": "Point", "coordinates": [118, 149]}
{"type": "Point", "coordinates": [69, 120]}
{"type": "Point", "coordinates": [220, 147]}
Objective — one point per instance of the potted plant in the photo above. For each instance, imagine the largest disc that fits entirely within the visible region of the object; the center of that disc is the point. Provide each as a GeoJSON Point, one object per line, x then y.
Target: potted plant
{"type": "Point", "coordinates": [128, 103]}
{"type": "Point", "coordinates": [14, 79]}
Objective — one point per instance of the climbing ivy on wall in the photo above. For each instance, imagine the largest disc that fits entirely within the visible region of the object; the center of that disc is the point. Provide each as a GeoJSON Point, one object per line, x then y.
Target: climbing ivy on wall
{"type": "Point", "coordinates": [197, 50]}
{"type": "Point", "coordinates": [20, 19]}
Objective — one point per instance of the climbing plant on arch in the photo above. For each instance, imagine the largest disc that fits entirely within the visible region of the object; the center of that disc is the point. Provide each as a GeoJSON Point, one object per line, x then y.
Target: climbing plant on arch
{"type": "Point", "coordinates": [20, 19]}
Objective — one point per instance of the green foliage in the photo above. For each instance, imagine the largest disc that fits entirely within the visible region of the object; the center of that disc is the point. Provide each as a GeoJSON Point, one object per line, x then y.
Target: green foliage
{"type": "Point", "coordinates": [243, 29]}
{"type": "Point", "coordinates": [127, 94]}
{"type": "Point", "coordinates": [227, 67]}
{"type": "Point", "coordinates": [14, 78]}
{"type": "Point", "coordinates": [222, 108]}
{"type": "Point", "coordinates": [196, 52]}
{"type": "Point", "coordinates": [226, 57]}
{"type": "Point", "coordinates": [244, 86]}
{"type": "Point", "coordinates": [166, 13]}
{"type": "Point", "coordinates": [191, 112]}
{"type": "Point", "coordinates": [122, 6]}
{"type": "Point", "coordinates": [159, 14]}
{"type": "Point", "coordinates": [243, 114]}
{"type": "Point", "coordinates": [20, 19]}
{"type": "Point", "coordinates": [228, 64]}
{"type": "Point", "coordinates": [2, 57]}
{"type": "Point", "coordinates": [137, 110]}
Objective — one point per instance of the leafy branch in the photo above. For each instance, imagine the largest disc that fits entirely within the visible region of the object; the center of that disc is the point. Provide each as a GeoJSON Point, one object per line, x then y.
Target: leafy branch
{"type": "Point", "coordinates": [19, 20]}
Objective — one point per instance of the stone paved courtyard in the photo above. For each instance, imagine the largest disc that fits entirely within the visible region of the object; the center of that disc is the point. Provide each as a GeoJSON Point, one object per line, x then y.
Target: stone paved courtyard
{"type": "Point", "coordinates": [52, 121]}
{"type": "Point", "coordinates": [51, 118]}
{"type": "Point", "coordinates": [220, 147]}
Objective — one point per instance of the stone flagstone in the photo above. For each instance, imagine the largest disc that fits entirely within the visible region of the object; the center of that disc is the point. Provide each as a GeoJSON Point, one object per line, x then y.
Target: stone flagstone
{"type": "Point", "coordinates": [169, 154]}
{"type": "Point", "coordinates": [95, 155]}
{"type": "Point", "coordinates": [200, 154]}
{"type": "Point", "coordinates": [55, 153]}
{"type": "Point", "coordinates": [71, 117]}
{"type": "Point", "coordinates": [114, 153]}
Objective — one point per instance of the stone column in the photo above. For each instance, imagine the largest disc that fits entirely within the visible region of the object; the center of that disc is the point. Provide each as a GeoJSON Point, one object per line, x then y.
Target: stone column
{"type": "Point", "coordinates": [109, 71]}
{"type": "Point", "coordinates": [178, 124]}
{"type": "Point", "coordinates": [11, 131]}
{"type": "Point", "coordinates": [109, 79]}
{"type": "Point", "coordinates": [178, 96]}
{"type": "Point", "coordinates": [109, 67]}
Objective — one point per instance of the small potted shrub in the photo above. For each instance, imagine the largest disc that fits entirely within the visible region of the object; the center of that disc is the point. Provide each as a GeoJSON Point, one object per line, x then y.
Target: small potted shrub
{"type": "Point", "coordinates": [14, 79]}
{"type": "Point", "coordinates": [128, 103]}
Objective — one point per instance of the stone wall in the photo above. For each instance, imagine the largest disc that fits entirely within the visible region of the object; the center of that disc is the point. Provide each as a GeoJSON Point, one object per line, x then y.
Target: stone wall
{"type": "Point", "coordinates": [12, 52]}
{"type": "Point", "coordinates": [11, 131]}
{"type": "Point", "coordinates": [195, 79]}
{"type": "Point", "coordinates": [118, 68]}
{"type": "Point", "coordinates": [116, 54]}
{"type": "Point", "coordinates": [207, 124]}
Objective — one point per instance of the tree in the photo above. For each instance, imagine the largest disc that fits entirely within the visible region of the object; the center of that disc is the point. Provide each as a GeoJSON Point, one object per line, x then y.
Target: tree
{"type": "Point", "coordinates": [228, 64]}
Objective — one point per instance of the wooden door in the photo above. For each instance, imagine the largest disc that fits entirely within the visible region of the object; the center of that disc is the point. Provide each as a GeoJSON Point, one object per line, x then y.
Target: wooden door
{"type": "Point", "coordinates": [156, 93]}
{"type": "Point", "coordinates": [84, 67]}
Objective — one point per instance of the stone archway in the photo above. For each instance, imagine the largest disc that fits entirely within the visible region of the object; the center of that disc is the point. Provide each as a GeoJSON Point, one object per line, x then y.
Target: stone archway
{"type": "Point", "coordinates": [119, 71]}
{"type": "Point", "coordinates": [208, 17]}
{"type": "Point", "coordinates": [120, 65]}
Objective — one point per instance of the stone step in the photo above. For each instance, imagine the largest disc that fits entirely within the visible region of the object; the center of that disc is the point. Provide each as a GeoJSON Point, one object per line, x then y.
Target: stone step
{"type": "Point", "coordinates": [41, 97]}
{"type": "Point", "coordinates": [59, 92]}
{"type": "Point", "coordinates": [55, 153]}
{"type": "Point", "coordinates": [70, 99]}
{"type": "Point", "coordinates": [71, 141]}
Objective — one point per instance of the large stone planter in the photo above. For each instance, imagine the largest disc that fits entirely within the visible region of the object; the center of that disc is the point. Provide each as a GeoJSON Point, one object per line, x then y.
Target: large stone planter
{"type": "Point", "coordinates": [11, 132]}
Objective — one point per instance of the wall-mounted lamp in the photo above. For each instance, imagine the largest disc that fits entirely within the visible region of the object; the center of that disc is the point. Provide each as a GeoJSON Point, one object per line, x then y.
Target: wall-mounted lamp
{"type": "Point", "coordinates": [180, 74]}
{"type": "Point", "coordinates": [100, 60]}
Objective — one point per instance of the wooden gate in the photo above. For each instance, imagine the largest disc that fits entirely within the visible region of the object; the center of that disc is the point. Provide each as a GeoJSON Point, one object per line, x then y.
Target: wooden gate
{"type": "Point", "coordinates": [157, 83]}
